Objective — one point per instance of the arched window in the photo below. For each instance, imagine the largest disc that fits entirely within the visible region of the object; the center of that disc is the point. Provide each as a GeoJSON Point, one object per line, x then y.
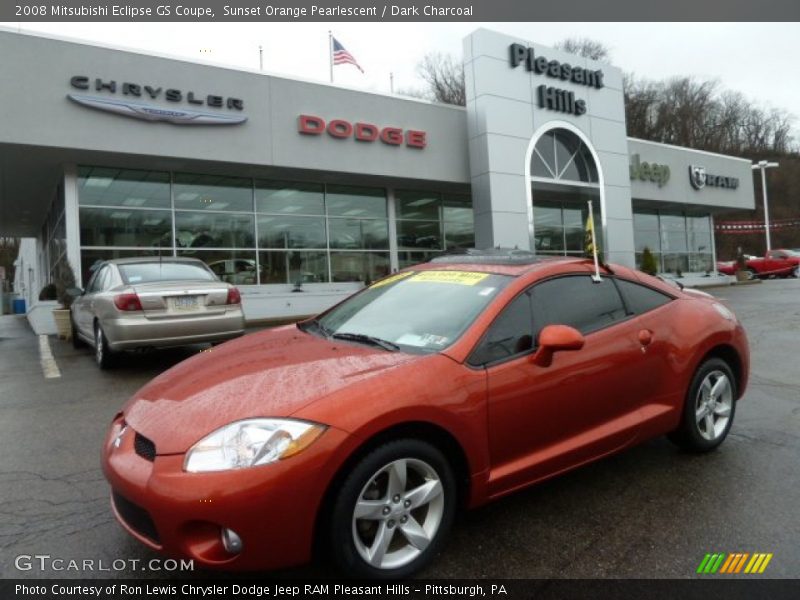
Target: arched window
{"type": "Point", "coordinates": [563, 178]}
{"type": "Point", "coordinates": [560, 155]}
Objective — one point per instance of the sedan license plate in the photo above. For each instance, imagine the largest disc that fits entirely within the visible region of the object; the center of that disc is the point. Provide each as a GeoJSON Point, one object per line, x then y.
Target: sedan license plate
{"type": "Point", "coordinates": [184, 303]}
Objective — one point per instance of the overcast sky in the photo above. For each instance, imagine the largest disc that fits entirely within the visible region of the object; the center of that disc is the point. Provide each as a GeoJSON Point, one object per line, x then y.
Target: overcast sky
{"type": "Point", "coordinates": [758, 59]}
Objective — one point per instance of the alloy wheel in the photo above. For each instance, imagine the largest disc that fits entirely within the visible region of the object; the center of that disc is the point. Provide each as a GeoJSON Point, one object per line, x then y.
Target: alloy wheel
{"type": "Point", "coordinates": [713, 405]}
{"type": "Point", "coordinates": [398, 513]}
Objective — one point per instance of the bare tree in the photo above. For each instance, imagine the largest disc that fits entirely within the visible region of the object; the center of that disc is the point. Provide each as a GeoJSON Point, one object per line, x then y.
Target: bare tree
{"type": "Point", "coordinates": [444, 76]}
{"type": "Point", "coordinates": [585, 47]}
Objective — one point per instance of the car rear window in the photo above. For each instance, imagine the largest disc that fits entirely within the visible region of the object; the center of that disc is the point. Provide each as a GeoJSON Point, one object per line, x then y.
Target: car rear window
{"type": "Point", "coordinates": [149, 272]}
{"type": "Point", "coordinates": [639, 298]}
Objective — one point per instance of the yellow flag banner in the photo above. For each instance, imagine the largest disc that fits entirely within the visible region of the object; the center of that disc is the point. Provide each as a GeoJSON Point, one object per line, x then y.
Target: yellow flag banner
{"type": "Point", "coordinates": [590, 238]}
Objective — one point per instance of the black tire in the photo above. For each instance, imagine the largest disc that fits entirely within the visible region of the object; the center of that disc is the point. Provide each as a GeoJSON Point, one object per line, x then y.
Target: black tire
{"type": "Point", "coordinates": [343, 532]}
{"type": "Point", "coordinates": [753, 274]}
{"type": "Point", "coordinates": [77, 342]}
{"type": "Point", "coordinates": [103, 356]}
{"type": "Point", "coordinates": [689, 435]}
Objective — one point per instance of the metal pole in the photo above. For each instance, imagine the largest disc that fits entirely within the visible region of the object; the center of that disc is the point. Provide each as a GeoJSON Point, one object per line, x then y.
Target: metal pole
{"type": "Point", "coordinates": [391, 82]}
{"type": "Point", "coordinates": [260, 58]}
{"type": "Point", "coordinates": [766, 204]}
{"type": "Point", "coordinates": [330, 53]}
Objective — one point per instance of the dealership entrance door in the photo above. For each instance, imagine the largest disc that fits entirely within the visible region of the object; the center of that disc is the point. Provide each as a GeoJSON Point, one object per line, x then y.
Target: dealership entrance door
{"type": "Point", "coordinates": [563, 178]}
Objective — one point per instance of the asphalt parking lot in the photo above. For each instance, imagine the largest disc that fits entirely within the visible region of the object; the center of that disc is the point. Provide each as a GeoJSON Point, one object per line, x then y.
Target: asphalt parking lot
{"type": "Point", "coordinates": [650, 512]}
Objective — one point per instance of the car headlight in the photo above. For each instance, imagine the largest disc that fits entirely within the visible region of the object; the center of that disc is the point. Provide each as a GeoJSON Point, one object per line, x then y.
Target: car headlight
{"type": "Point", "coordinates": [251, 443]}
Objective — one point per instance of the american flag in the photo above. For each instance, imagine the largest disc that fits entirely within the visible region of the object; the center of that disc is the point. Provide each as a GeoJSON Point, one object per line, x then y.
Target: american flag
{"type": "Point", "coordinates": [342, 56]}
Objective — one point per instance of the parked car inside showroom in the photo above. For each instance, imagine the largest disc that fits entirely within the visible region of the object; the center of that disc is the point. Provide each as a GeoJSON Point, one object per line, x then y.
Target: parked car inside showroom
{"type": "Point", "coordinates": [365, 430]}
{"type": "Point", "coordinates": [149, 302]}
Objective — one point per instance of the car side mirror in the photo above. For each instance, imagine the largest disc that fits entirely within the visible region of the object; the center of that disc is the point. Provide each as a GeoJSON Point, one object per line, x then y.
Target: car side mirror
{"type": "Point", "coordinates": [556, 338]}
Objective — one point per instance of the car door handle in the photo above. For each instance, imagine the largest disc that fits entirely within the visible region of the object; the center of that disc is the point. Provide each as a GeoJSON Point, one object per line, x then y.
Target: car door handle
{"type": "Point", "coordinates": [645, 337]}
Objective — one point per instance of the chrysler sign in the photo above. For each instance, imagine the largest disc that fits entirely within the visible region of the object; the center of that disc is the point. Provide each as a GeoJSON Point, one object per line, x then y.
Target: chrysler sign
{"type": "Point", "coordinates": [130, 104]}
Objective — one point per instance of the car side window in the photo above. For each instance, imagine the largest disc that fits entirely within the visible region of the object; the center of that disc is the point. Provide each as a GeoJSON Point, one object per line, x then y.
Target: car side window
{"type": "Point", "coordinates": [511, 334]}
{"type": "Point", "coordinates": [639, 298]}
{"type": "Point", "coordinates": [577, 301]}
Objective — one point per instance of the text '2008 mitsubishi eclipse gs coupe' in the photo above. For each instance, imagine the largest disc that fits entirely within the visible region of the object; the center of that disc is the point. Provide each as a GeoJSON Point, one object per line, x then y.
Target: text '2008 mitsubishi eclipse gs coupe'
{"type": "Point", "coordinates": [440, 387]}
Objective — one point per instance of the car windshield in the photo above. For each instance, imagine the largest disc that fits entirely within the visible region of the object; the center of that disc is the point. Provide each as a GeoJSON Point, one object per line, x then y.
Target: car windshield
{"type": "Point", "coordinates": [413, 311]}
{"type": "Point", "coordinates": [793, 252]}
{"type": "Point", "coordinates": [149, 272]}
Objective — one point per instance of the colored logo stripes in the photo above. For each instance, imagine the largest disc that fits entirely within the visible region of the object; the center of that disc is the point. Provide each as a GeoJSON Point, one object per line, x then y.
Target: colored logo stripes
{"type": "Point", "coordinates": [734, 563]}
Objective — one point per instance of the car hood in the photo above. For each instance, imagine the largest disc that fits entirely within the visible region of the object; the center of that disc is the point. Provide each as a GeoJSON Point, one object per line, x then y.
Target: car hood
{"type": "Point", "coordinates": [273, 373]}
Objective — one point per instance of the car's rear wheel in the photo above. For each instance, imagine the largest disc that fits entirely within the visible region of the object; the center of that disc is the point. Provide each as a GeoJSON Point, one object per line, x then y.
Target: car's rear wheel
{"type": "Point", "coordinates": [103, 355]}
{"type": "Point", "coordinates": [796, 272]}
{"type": "Point", "coordinates": [393, 510]}
{"type": "Point", "coordinates": [752, 274]}
{"type": "Point", "coordinates": [709, 408]}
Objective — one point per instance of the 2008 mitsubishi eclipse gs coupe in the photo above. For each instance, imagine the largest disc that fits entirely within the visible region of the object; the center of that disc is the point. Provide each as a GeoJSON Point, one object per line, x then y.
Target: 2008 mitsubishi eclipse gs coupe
{"type": "Point", "coordinates": [440, 387]}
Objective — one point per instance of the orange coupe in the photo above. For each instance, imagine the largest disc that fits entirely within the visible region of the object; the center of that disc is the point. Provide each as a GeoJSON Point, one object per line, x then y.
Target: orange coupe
{"type": "Point", "coordinates": [440, 387]}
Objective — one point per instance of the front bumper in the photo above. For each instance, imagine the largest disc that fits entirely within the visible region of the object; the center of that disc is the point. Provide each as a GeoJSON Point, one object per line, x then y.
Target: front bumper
{"type": "Point", "coordinates": [137, 331]}
{"type": "Point", "coordinates": [273, 508]}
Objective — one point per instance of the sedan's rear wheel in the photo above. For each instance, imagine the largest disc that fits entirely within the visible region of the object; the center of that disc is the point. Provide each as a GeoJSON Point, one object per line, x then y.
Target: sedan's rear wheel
{"type": "Point", "coordinates": [393, 510]}
{"type": "Point", "coordinates": [708, 409]}
{"type": "Point", "coordinates": [796, 272]}
{"type": "Point", "coordinates": [103, 355]}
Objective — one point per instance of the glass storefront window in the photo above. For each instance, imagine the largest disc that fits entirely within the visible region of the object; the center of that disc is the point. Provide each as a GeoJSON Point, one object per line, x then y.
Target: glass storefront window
{"type": "Point", "coordinates": [214, 230]}
{"type": "Point", "coordinates": [359, 266]}
{"type": "Point", "coordinates": [253, 231]}
{"type": "Point", "coordinates": [125, 227]}
{"type": "Point", "coordinates": [237, 267]}
{"type": "Point", "coordinates": [351, 201]}
{"type": "Point", "coordinates": [680, 243]}
{"type": "Point", "coordinates": [457, 208]}
{"type": "Point", "coordinates": [212, 192]}
{"type": "Point", "coordinates": [99, 186]}
{"type": "Point", "coordinates": [459, 235]}
{"type": "Point", "coordinates": [280, 197]}
{"type": "Point", "coordinates": [419, 234]}
{"type": "Point", "coordinates": [418, 205]}
{"type": "Point", "coordinates": [549, 230]}
{"type": "Point", "coordinates": [293, 267]}
{"type": "Point", "coordinates": [359, 233]}
{"type": "Point", "coordinates": [291, 232]}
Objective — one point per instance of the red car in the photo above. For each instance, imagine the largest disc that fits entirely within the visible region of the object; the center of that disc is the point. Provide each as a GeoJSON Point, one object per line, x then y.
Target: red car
{"type": "Point", "coordinates": [440, 387]}
{"type": "Point", "coordinates": [775, 263]}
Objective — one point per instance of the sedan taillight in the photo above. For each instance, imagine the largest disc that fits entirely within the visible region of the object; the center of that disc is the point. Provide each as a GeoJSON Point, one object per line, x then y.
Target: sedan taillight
{"type": "Point", "coordinates": [127, 302]}
{"type": "Point", "coordinates": [234, 297]}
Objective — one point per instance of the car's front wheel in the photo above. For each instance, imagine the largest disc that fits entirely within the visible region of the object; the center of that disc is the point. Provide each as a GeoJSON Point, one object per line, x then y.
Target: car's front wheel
{"type": "Point", "coordinates": [103, 355]}
{"type": "Point", "coordinates": [708, 409]}
{"type": "Point", "coordinates": [393, 511]}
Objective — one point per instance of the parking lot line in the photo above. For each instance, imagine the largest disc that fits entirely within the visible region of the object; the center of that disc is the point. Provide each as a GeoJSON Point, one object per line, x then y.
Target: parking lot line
{"type": "Point", "coordinates": [49, 365]}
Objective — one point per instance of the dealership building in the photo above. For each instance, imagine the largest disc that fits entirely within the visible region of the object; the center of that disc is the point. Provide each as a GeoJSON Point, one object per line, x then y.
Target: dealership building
{"type": "Point", "coordinates": [302, 192]}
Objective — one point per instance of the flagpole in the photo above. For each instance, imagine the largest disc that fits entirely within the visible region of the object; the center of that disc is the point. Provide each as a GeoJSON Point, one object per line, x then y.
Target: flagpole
{"type": "Point", "coordinates": [330, 53]}
{"type": "Point", "coordinates": [596, 277]}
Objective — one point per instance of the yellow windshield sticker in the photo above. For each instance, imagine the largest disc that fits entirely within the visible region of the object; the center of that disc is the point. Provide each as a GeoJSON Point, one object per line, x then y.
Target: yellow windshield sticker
{"type": "Point", "coordinates": [457, 277]}
{"type": "Point", "coordinates": [391, 279]}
